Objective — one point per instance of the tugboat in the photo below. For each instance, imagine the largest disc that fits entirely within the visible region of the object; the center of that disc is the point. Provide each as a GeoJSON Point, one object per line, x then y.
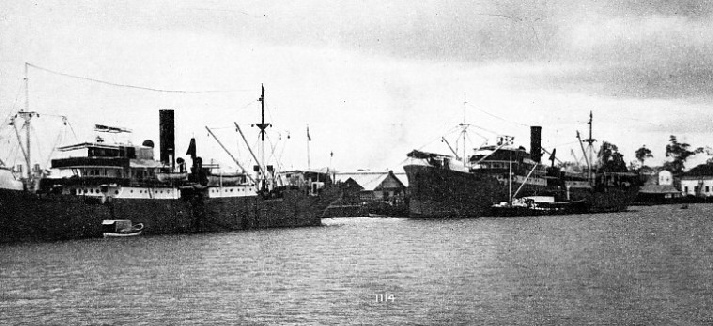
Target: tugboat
{"type": "Point", "coordinates": [98, 181]}
{"type": "Point", "coordinates": [538, 205]}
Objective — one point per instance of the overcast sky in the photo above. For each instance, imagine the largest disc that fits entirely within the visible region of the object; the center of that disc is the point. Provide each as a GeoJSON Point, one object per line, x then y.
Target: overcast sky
{"type": "Point", "coordinates": [373, 79]}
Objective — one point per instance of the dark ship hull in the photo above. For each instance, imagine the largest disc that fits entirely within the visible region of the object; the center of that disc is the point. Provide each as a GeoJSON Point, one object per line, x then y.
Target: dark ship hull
{"type": "Point", "coordinates": [441, 193]}
{"type": "Point", "coordinates": [38, 216]}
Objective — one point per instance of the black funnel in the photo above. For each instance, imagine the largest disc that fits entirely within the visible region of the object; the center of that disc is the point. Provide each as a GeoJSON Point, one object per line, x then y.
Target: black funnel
{"type": "Point", "coordinates": [536, 143]}
{"type": "Point", "coordinates": [166, 137]}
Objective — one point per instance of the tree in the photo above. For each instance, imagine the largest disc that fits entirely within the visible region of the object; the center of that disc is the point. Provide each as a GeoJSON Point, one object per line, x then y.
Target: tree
{"type": "Point", "coordinates": [642, 154]}
{"type": "Point", "coordinates": [679, 152]}
{"type": "Point", "coordinates": [610, 159]}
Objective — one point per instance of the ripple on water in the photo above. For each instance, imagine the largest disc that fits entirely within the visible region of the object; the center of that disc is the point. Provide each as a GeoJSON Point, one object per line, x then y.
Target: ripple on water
{"type": "Point", "coordinates": [651, 265]}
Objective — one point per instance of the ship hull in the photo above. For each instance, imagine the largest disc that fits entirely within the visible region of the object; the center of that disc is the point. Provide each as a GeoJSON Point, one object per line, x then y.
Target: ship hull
{"type": "Point", "coordinates": [440, 193]}
{"type": "Point", "coordinates": [38, 217]}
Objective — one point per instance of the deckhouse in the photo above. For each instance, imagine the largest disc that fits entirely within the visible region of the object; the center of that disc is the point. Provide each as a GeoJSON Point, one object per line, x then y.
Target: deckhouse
{"type": "Point", "coordinates": [121, 164]}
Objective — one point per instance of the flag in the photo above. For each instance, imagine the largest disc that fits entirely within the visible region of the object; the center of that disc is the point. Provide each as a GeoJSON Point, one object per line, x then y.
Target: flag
{"type": "Point", "coordinates": [192, 148]}
{"type": "Point", "coordinates": [308, 137]}
{"type": "Point", "coordinates": [553, 155]}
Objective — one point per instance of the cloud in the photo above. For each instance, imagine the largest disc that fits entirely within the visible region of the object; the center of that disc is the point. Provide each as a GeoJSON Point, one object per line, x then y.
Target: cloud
{"type": "Point", "coordinates": [643, 56]}
{"type": "Point", "coordinates": [401, 68]}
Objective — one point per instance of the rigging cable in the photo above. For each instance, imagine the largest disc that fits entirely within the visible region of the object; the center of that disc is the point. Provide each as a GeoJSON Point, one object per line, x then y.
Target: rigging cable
{"type": "Point", "coordinates": [495, 116]}
{"type": "Point", "coordinates": [9, 116]}
{"type": "Point", "coordinates": [39, 148]}
{"type": "Point", "coordinates": [132, 86]}
{"type": "Point", "coordinates": [60, 138]}
{"type": "Point", "coordinates": [282, 151]}
{"type": "Point", "coordinates": [72, 129]}
{"type": "Point", "coordinates": [272, 154]}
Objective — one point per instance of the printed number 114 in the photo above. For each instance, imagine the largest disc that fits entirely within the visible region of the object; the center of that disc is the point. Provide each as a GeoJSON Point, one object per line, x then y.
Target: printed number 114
{"type": "Point", "coordinates": [384, 297]}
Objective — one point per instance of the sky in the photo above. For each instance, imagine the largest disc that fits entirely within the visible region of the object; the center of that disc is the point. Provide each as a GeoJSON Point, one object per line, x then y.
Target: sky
{"type": "Point", "coordinates": [373, 80]}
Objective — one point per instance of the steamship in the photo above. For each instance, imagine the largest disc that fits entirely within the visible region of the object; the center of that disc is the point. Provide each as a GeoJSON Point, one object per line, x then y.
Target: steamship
{"type": "Point", "coordinates": [443, 186]}
{"type": "Point", "coordinates": [98, 181]}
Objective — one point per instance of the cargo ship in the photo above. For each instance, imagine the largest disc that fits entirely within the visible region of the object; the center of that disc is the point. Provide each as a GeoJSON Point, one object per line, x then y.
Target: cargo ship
{"type": "Point", "coordinates": [98, 181]}
{"type": "Point", "coordinates": [443, 186]}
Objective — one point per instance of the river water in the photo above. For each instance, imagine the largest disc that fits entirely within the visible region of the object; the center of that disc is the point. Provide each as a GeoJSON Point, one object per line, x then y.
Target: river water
{"type": "Point", "coordinates": [650, 266]}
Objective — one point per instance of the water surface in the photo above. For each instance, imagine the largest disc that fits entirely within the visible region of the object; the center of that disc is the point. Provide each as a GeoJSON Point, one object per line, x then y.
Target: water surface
{"type": "Point", "coordinates": [651, 265]}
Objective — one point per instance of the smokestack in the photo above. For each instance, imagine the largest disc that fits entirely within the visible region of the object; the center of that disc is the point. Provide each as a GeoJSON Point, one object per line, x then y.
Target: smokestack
{"type": "Point", "coordinates": [166, 137]}
{"type": "Point", "coordinates": [536, 143]}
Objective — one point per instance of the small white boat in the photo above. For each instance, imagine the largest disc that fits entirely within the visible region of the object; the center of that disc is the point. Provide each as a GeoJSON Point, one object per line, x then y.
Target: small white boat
{"type": "Point", "coordinates": [121, 228]}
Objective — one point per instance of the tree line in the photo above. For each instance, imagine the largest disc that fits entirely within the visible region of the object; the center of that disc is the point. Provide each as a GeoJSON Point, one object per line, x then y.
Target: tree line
{"type": "Point", "coordinates": [679, 152]}
{"type": "Point", "coordinates": [610, 160]}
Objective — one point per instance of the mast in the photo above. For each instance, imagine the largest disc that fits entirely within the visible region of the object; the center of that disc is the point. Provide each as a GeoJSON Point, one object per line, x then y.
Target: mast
{"type": "Point", "coordinates": [308, 154]}
{"type": "Point", "coordinates": [27, 123]}
{"type": "Point", "coordinates": [27, 115]}
{"type": "Point", "coordinates": [262, 127]}
{"type": "Point", "coordinates": [465, 126]}
{"type": "Point", "coordinates": [464, 134]}
{"type": "Point", "coordinates": [510, 180]}
{"type": "Point", "coordinates": [590, 148]}
{"type": "Point", "coordinates": [27, 89]}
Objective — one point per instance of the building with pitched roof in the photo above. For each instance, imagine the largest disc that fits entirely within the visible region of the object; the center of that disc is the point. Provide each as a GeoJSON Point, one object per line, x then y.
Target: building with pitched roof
{"type": "Point", "coordinates": [367, 193]}
{"type": "Point", "coordinates": [385, 186]}
{"type": "Point", "coordinates": [698, 182]}
{"type": "Point", "coordinates": [658, 188]}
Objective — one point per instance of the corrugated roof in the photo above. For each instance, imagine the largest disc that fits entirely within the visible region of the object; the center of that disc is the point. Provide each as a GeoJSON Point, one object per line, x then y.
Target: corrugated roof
{"type": "Point", "coordinates": [402, 177]}
{"type": "Point", "coordinates": [370, 179]}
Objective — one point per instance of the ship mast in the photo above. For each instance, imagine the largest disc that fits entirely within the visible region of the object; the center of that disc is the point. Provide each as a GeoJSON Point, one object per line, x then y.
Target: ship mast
{"type": "Point", "coordinates": [510, 180]}
{"type": "Point", "coordinates": [591, 141]}
{"type": "Point", "coordinates": [262, 127]}
{"type": "Point", "coordinates": [27, 115]}
{"type": "Point", "coordinates": [465, 126]}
